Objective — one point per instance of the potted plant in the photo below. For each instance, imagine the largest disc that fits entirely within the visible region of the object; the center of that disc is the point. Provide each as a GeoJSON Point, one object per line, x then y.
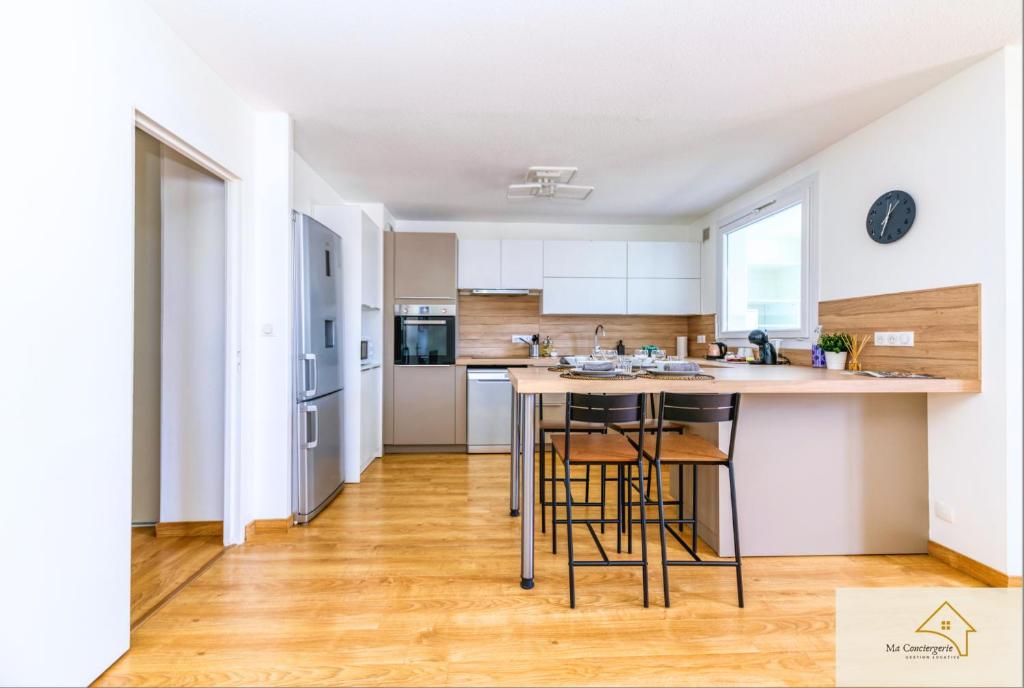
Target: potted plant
{"type": "Point", "coordinates": [836, 345]}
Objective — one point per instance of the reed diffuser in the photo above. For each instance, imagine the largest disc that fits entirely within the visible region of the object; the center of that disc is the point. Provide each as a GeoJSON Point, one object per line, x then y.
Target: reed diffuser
{"type": "Point", "coordinates": [854, 348]}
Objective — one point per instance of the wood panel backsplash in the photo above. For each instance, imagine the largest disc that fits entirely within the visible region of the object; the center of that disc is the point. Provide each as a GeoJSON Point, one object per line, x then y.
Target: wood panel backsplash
{"type": "Point", "coordinates": [946, 323]}
{"type": "Point", "coordinates": [487, 324]}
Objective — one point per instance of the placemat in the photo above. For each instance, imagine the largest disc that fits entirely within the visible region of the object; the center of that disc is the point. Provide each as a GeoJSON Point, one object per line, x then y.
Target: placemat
{"type": "Point", "coordinates": [617, 376]}
{"type": "Point", "coordinates": [699, 376]}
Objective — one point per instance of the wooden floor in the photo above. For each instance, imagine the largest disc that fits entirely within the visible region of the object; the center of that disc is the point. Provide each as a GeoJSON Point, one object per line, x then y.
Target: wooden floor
{"type": "Point", "coordinates": [161, 565]}
{"type": "Point", "coordinates": [412, 578]}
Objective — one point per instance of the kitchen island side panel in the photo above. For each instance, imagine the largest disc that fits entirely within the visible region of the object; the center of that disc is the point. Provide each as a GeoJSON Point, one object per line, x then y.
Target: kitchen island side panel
{"type": "Point", "coordinates": [821, 475]}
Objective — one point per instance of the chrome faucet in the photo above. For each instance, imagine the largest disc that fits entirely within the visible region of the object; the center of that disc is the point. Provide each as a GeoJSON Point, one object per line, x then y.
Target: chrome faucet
{"type": "Point", "coordinates": [598, 331]}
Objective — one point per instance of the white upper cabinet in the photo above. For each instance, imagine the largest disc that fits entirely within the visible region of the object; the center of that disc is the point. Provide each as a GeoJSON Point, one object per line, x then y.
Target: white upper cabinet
{"type": "Point", "coordinates": [664, 259]}
{"type": "Point", "coordinates": [585, 258]}
{"type": "Point", "coordinates": [479, 264]}
{"type": "Point", "coordinates": [584, 295]}
{"type": "Point", "coordinates": [501, 264]}
{"type": "Point", "coordinates": [663, 296]}
{"type": "Point", "coordinates": [522, 264]}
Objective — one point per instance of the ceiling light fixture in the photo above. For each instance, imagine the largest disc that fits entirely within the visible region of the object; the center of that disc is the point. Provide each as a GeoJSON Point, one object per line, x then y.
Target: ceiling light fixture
{"type": "Point", "coordinates": [549, 182]}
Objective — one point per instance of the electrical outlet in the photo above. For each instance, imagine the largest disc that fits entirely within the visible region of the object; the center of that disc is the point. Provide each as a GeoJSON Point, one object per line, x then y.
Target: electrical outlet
{"type": "Point", "coordinates": [518, 338]}
{"type": "Point", "coordinates": [943, 511]}
{"type": "Point", "coordinates": [701, 339]}
{"type": "Point", "coordinates": [894, 339]}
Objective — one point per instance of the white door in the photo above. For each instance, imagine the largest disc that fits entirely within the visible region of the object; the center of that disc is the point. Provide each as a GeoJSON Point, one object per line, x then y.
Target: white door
{"type": "Point", "coordinates": [479, 264]}
{"type": "Point", "coordinates": [664, 259]}
{"type": "Point", "coordinates": [584, 258]}
{"type": "Point", "coordinates": [522, 264]}
{"type": "Point", "coordinates": [193, 334]}
{"type": "Point", "coordinates": [584, 295]}
{"type": "Point", "coordinates": [664, 296]}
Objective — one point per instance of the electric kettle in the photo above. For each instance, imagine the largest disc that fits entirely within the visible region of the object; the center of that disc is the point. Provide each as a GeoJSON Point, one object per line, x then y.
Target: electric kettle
{"type": "Point", "coordinates": [716, 350]}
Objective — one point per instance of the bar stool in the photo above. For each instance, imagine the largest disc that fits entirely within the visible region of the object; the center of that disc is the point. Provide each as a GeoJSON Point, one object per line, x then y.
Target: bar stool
{"type": "Point", "coordinates": [690, 449]}
{"type": "Point", "coordinates": [556, 425]}
{"type": "Point", "coordinates": [603, 450]}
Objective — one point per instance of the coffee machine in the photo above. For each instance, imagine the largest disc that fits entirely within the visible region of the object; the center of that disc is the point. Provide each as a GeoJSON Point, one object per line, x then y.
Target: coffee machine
{"type": "Point", "coordinates": [768, 354]}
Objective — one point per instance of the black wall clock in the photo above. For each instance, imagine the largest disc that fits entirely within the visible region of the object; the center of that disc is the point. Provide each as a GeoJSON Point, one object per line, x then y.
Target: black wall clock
{"type": "Point", "coordinates": [891, 217]}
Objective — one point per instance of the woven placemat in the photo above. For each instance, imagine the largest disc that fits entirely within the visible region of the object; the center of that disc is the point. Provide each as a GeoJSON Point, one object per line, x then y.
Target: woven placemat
{"type": "Point", "coordinates": [559, 368]}
{"type": "Point", "coordinates": [617, 376]}
{"type": "Point", "coordinates": [699, 376]}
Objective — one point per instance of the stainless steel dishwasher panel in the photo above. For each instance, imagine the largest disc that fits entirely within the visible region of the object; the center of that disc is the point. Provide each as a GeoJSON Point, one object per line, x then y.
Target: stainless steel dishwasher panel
{"type": "Point", "coordinates": [488, 396]}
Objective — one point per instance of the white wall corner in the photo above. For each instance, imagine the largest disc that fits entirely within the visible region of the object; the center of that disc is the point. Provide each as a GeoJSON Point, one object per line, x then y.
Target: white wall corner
{"type": "Point", "coordinates": [267, 376]}
{"type": "Point", "coordinates": [1014, 307]}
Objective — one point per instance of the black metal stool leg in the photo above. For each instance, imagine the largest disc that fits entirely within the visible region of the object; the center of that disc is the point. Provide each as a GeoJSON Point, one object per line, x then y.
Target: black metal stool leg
{"type": "Point", "coordinates": [643, 528]}
{"type": "Point", "coordinates": [629, 508]}
{"type": "Point", "coordinates": [568, 526]}
{"type": "Point", "coordinates": [679, 493]}
{"type": "Point", "coordinates": [661, 532]}
{"type": "Point", "coordinates": [736, 535]}
{"type": "Point", "coordinates": [693, 508]}
{"type": "Point", "coordinates": [543, 481]}
{"type": "Point", "coordinates": [618, 513]}
{"type": "Point", "coordinates": [603, 493]}
{"type": "Point", "coordinates": [554, 504]}
{"type": "Point", "coordinates": [586, 489]}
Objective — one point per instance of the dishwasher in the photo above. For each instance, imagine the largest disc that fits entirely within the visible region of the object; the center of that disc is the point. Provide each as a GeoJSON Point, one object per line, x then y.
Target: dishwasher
{"type": "Point", "coordinates": [489, 421]}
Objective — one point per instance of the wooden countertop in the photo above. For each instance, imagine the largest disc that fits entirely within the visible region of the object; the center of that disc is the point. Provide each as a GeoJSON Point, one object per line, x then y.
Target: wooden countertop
{"type": "Point", "coordinates": [525, 360]}
{"type": "Point", "coordinates": [745, 378]}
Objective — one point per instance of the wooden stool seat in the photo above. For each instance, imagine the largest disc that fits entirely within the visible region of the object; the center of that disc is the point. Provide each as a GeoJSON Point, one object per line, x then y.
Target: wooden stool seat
{"type": "Point", "coordinates": [686, 449]}
{"type": "Point", "coordinates": [614, 449]}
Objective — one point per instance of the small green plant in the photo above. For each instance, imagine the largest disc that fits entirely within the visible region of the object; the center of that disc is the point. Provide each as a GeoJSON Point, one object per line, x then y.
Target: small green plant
{"type": "Point", "coordinates": [835, 342]}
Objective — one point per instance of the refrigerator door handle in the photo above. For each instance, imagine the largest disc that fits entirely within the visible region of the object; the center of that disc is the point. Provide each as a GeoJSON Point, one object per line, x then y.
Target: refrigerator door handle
{"type": "Point", "coordinates": [313, 411]}
{"type": "Point", "coordinates": [306, 360]}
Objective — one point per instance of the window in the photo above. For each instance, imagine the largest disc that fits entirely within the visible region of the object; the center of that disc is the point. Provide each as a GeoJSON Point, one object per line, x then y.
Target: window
{"type": "Point", "coordinates": [765, 268]}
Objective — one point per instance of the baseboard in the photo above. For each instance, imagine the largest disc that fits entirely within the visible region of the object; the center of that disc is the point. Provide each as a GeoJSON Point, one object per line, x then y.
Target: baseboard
{"type": "Point", "coordinates": [190, 529]}
{"type": "Point", "coordinates": [424, 449]}
{"type": "Point", "coordinates": [975, 569]}
{"type": "Point", "coordinates": [267, 526]}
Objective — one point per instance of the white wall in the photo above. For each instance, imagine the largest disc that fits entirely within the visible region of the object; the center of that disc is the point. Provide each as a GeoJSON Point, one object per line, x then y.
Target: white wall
{"type": "Point", "coordinates": [309, 188]}
{"type": "Point", "coordinates": [550, 230]}
{"type": "Point", "coordinates": [192, 334]}
{"type": "Point", "coordinates": [950, 149]}
{"type": "Point", "coordinates": [66, 356]}
{"type": "Point", "coordinates": [267, 493]}
{"type": "Point", "coordinates": [1014, 308]}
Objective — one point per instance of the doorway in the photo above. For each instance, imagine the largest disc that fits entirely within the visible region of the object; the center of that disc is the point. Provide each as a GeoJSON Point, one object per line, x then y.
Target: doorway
{"type": "Point", "coordinates": [179, 401]}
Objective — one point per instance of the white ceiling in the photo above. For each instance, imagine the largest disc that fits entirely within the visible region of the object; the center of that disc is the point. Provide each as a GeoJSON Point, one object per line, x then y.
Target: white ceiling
{"type": "Point", "coordinates": [669, 108]}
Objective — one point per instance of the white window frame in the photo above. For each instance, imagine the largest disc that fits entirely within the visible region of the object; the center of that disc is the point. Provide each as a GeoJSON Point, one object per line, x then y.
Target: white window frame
{"type": "Point", "coordinates": [804, 192]}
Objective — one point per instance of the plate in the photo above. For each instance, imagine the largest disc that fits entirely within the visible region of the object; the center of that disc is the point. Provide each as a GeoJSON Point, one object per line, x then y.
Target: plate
{"type": "Point", "coordinates": [655, 371]}
{"type": "Point", "coordinates": [596, 373]}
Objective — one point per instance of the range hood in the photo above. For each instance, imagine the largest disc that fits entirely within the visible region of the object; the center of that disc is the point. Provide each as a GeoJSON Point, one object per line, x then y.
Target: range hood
{"type": "Point", "coordinates": [500, 292]}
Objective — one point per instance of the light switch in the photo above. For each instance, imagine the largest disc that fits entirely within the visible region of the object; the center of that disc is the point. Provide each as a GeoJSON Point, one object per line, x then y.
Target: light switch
{"type": "Point", "coordinates": [268, 330]}
{"type": "Point", "coordinates": [701, 339]}
{"type": "Point", "coordinates": [943, 511]}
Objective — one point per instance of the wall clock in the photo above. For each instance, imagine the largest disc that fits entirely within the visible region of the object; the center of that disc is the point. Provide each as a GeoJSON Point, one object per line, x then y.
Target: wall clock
{"type": "Point", "coordinates": [891, 217]}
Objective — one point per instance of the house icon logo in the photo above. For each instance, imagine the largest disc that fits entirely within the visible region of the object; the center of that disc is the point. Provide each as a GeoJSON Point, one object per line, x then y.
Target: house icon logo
{"type": "Point", "coordinates": [947, 622]}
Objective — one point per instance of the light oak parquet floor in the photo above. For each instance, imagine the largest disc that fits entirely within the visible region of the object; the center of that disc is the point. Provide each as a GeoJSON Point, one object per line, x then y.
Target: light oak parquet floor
{"type": "Point", "coordinates": [412, 578]}
{"type": "Point", "coordinates": [161, 565]}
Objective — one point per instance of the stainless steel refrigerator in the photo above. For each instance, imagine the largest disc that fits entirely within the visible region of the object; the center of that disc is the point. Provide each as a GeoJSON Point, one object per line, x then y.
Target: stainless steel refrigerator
{"type": "Point", "coordinates": [318, 468]}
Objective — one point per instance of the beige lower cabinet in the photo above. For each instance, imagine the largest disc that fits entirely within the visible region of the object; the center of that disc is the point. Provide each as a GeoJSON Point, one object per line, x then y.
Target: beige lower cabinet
{"type": "Point", "coordinates": [424, 405]}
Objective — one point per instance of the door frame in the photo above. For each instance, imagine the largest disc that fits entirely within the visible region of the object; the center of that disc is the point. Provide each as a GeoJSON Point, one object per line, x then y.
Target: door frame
{"type": "Point", "coordinates": [234, 529]}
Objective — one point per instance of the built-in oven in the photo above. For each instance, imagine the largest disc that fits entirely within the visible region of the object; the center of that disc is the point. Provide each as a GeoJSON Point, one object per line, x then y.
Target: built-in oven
{"type": "Point", "coordinates": [424, 334]}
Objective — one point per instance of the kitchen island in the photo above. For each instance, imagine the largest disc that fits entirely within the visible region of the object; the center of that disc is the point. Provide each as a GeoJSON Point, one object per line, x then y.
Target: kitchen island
{"type": "Point", "coordinates": [826, 462]}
